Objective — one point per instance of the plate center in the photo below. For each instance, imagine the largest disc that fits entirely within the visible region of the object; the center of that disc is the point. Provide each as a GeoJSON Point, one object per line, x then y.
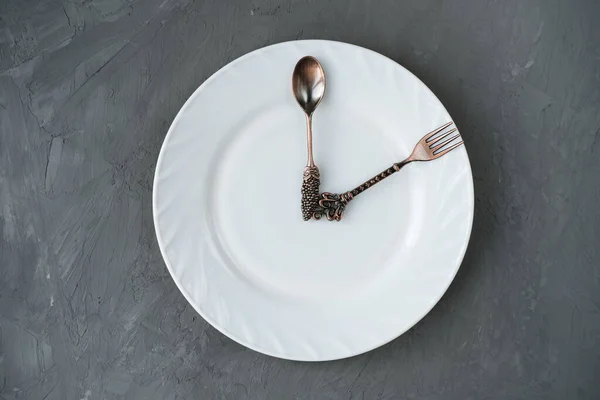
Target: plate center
{"type": "Point", "coordinates": [256, 202]}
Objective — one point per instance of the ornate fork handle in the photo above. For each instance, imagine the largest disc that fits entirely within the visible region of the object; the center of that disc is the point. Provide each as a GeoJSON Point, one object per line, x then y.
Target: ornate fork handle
{"type": "Point", "coordinates": [332, 205]}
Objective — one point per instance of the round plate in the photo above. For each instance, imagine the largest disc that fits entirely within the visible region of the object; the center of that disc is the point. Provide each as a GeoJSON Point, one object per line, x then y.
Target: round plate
{"type": "Point", "coordinates": [227, 204]}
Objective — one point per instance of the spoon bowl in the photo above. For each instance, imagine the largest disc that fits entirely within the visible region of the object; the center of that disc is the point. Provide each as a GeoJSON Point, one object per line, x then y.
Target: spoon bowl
{"type": "Point", "coordinates": [308, 83]}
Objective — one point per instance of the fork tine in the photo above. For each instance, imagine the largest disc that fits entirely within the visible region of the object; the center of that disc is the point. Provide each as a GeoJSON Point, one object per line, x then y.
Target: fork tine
{"type": "Point", "coordinates": [438, 138]}
{"type": "Point", "coordinates": [449, 149]}
{"type": "Point", "coordinates": [442, 144]}
{"type": "Point", "coordinates": [430, 134]}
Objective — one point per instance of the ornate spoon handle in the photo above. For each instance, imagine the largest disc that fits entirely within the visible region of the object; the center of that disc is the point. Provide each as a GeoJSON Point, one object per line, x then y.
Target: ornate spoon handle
{"type": "Point", "coordinates": [332, 205]}
{"type": "Point", "coordinates": [311, 178]}
{"type": "Point", "coordinates": [310, 191]}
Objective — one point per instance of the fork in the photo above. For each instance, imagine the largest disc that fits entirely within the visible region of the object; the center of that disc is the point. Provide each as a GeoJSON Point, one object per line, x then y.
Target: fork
{"type": "Point", "coordinates": [429, 148]}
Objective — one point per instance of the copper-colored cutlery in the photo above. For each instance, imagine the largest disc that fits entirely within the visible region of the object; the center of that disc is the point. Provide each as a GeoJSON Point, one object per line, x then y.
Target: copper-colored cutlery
{"type": "Point", "coordinates": [429, 148]}
{"type": "Point", "coordinates": [308, 84]}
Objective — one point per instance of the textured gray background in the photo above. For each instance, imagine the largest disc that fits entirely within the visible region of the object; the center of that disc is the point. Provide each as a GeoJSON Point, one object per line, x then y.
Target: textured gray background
{"type": "Point", "coordinates": [88, 89]}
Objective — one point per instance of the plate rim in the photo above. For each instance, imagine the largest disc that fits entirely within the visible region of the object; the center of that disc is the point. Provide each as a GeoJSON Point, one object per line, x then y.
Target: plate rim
{"type": "Point", "coordinates": [162, 246]}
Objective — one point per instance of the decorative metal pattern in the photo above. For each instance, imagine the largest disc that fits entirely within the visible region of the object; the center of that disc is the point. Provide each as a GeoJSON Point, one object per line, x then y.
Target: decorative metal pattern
{"type": "Point", "coordinates": [311, 180]}
{"type": "Point", "coordinates": [376, 179]}
{"type": "Point", "coordinates": [332, 206]}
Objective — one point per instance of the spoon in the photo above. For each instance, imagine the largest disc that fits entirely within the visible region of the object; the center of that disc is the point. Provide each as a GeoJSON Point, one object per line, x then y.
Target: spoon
{"type": "Point", "coordinates": [308, 85]}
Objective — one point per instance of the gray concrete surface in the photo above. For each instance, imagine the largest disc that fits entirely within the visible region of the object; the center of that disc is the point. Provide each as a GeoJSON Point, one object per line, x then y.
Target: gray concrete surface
{"type": "Point", "coordinates": [88, 89]}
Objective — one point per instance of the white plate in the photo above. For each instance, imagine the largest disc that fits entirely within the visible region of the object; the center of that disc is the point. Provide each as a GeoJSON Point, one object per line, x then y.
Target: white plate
{"type": "Point", "coordinates": [227, 204]}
